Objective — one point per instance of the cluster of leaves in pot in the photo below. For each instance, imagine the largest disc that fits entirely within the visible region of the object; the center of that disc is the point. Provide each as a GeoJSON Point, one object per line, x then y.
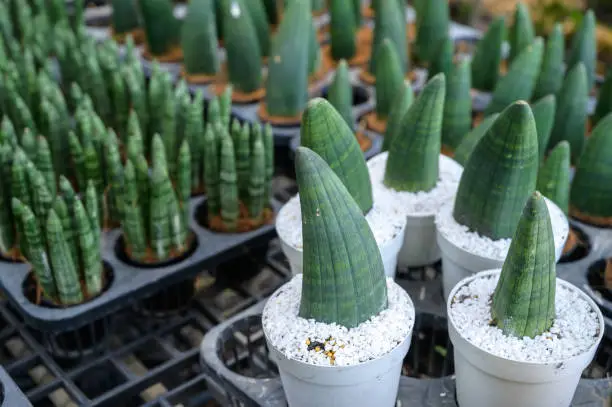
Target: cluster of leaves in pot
{"type": "Point", "coordinates": [237, 171]}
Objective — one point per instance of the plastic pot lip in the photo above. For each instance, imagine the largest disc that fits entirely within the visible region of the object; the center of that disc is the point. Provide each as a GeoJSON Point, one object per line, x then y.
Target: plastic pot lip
{"type": "Point", "coordinates": [487, 273]}
{"type": "Point", "coordinates": [452, 242]}
{"type": "Point", "coordinates": [341, 368]}
{"type": "Point", "coordinates": [400, 233]}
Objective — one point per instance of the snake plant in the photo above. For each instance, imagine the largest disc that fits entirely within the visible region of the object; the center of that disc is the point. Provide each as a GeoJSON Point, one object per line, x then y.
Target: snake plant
{"type": "Point", "coordinates": [257, 13]}
{"type": "Point", "coordinates": [340, 94]}
{"type": "Point", "coordinates": [552, 71]}
{"type": "Point", "coordinates": [554, 176]}
{"type": "Point", "coordinates": [155, 218]}
{"type": "Point", "coordinates": [389, 24]}
{"type": "Point", "coordinates": [325, 132]}
{"type": "Point", "coordinates": [315, 57]}
{"type": "Point", "coordinates": [199, 39]}
{"type": "Point", "coordinates": [522, 32]}
{"type": "Point", "coordinates": [442, 58]}
{"type": "Point", "coordinates": [457, 119]}
{"type": "Point", "coordinates": [520, 81]}
{"type": "Point", "coordinates": [403, 99]}
{"type": "Point", "coordinates": [288, 63]}
{"type": "Point", "coordinates": [471, 139]}
{"type": "Point", "coordinates": [432, 28]}
{"type": "Point", "coordinates": [591, 190]}
{"type": "Point", "coordinates": [125, 17]}
{"type": "Point", "coordinates": [343, 29]}
{"type": "Point", "coordinates": [389, 78]}
{"type": "Point", "coordinates": [63, 247]}
{"type": "Point", "coordinates": [336, 289]}
{"type": "Point", "coordinates": [584, 48]}
{"type": "Point", "coordinates": [161, 27]}
{"type": "Point", "coordinates": [488, 56]}
{"type": "Point", "coordinates": [604, 99]}
{"type": "Point", "coordinates": [499, 175]}
{"type": "Point", "coordinates": [242, 47]}
{"type": "Point", "coordinates": [524, 299]}
{"type": "Point", "coordinates": [571, 114]}
{"type": "Point", "coordinates": [413, 159]}
{"type": "Point", "coordinates": [544, 115]}
{"type": "Point", "coordinates": [238, 167]}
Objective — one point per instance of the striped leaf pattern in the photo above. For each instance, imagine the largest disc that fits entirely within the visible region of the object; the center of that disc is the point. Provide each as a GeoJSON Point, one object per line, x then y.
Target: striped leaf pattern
{"type": "Point", "coordinates": [554, 176]}
{"type": "Point", "coordinates": [457, 119]}
{"type": "Point", "coordinates": [499, 175]}
{"type": "Point", "coordinates": [343, 279]}
{"type": "Point", "coordinates": [524, 299]}
{"type": "Point", "coordinates": [403, 100]}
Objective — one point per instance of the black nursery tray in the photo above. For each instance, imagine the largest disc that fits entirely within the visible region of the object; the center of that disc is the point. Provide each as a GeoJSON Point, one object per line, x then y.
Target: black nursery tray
{"type": "Point", "coordinates": [10, 394]}
{"type": "Point", "coordinates": [128, 282]}
{"type": "Point", "coordinates": [239, 372]}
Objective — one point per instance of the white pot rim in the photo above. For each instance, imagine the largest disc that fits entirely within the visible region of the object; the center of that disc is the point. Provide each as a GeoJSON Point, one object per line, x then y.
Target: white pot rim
{"type": "Point", "coordinates": [569, 286]}
{"type": "Point", "coordinates": [447, 240]}
{"type": "Point", "coordinates": [326, 368]}
{"type": "Point", "coordinates": [388, 242]}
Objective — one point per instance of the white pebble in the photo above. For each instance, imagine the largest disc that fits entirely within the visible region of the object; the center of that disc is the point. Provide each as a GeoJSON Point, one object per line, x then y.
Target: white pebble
{"type": "Point", "coordinates": [371, 339]}
{"type": "Point", "coordinates": [416, 203]}
{"type": "Point", "coordinates": [574, 331]}
{"type": "Point", "coordinates": [474, 243]}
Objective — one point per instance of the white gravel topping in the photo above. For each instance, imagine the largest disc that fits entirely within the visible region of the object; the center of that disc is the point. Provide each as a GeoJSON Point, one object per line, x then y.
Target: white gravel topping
{"type": "Point", "coordinates": [419, 203]}
{"type": "Point", "coordinates": [483, 246]}
{"type": "Point", "coordinates": [574, 331]}
{"type": "Point", "coordinates": [372, 339]}
{"type": "Point", "coordinates": [384, 220]}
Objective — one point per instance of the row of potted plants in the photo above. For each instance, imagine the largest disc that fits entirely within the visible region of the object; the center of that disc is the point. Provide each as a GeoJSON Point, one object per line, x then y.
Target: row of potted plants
{"type": "Point", "coordinates": [339, 331]}
{"type": "Point", "coordinates": [133, 148]}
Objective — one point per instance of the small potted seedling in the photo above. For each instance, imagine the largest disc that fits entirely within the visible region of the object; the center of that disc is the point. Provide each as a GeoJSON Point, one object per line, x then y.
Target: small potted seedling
{"type": "Point", "coordinates": [288, 64]}
{"type": "Point", "coordinates": [390, 77]}
{"type": "Point", "coordinates": [162, 31]}
{"type": "Point", "coordinates": [126, 21]}
{"type": "Point", "coordinates": [389, 25]}
{"type": "Point", "coordinates": [338, 332]}
{"type": "Point", "coordinates": [244, 58]}
{"type": "Point", "coordinates": [474, 232]}
{"type": "Point", "coordinates": [199, 43]}
{"type": "Point", "coordinates": [60, 238]}
{"type": "Point", "coordinates": [414, 177]}
{"type": "Point", "coordinates": [457, 118]}
{"type": "Point", "coordinates": [324, 131]}
{"type": "Point", "coordinates": [521, 336]}
{"type": "Point", "coordinates": [155, 219]}
{"type": "Point", "coordinates": [238, 168]}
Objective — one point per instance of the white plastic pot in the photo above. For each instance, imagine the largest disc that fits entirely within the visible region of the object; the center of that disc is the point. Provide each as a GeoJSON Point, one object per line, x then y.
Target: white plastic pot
{"type": "Point", "coordinates": [420, 247]}
{"type": "Point", "coordinates": [459, 263]}
{"type": "Point", "coordinates": [373, 383]}
{"type": "Point", "coordinates": [389, 252]}
{"type": "Point", "coordinates": [485, 380]}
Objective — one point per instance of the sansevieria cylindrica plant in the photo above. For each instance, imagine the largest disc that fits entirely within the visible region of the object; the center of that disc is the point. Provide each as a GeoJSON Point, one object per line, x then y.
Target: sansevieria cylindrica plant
{"type": "Point", "coordinates": [389, 25]}
{"type": "Point", "coordinates": [238, 168]}
{"type": "Point", "coordinates": [521, 33]}
{"type": "Point", "coordinates": [488, 56]}
{"type": "Point", "coordinates": [554, 176]}
{"type": "Point", "coordinates": [162, 29]}
{"type": "Point", "coordinates": [155, 219]}
{"type": "Point", "coordinates": [343, 276]}
{"type": "Point", "coordinates": [457, 119]}
{"type": "Point", "coordinates": [591, 190]}
{"type": "Point", "coordinates": [403, 99]}
{"type": "Point", "coordinates": [60, 237]}
{"type": "Point", "coordinates": [520, 81]}
{"type": "Point", "coordinates": [199, 42]}
{"type": "Point", "coordinates": [414, 153]}
{"type": "Point", "coordinates": [432, 28]}
{"type": "Point", "coordinates": [471, 139]}
{"type": "Point", "coordinates": [552, 70]}
{"type": "Point", "coordinates": [340, 94]}
{"type": "Point", "coordinates": [327, 134]}
{"type": "Point", "coordinates": [125, 18]}
{"type": "Point", "coordinates": [524, 299]}
{"type": "Point", "coordinates": [499, 175]}
{"type": "Point", "coordinates": [584, 47]}
{"type": "Point", "coordinates": [288, 63]}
